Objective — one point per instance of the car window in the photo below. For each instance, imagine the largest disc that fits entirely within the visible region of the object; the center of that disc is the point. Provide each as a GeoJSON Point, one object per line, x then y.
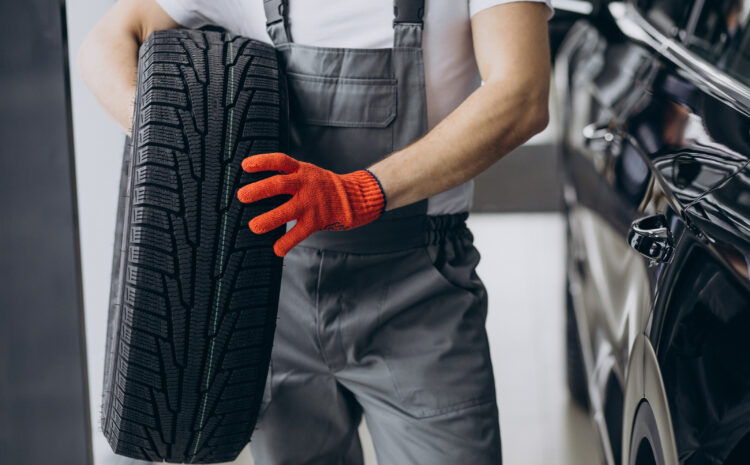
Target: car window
{"type": "Point", "coordinates": [717, 30]}
{"type": "Point", "coordinates": [669, 16]}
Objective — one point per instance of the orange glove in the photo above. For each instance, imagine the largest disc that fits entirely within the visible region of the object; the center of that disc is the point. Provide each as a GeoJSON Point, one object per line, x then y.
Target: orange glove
{"type": "Point", "coordinates": [321, 199]}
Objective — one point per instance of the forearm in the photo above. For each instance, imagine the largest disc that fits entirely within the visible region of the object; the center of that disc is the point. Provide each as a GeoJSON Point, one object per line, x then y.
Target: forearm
{"type": "Point", "coordinates": [494, 120]}
{"type": "Point", "coordinates": [108, 57]}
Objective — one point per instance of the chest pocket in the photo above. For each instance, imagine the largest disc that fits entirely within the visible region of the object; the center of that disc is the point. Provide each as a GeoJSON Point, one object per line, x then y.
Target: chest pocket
{"type": "Point", "coordinates": [342, 124]}
{"type": "Point", "coordinates": [343, 102]}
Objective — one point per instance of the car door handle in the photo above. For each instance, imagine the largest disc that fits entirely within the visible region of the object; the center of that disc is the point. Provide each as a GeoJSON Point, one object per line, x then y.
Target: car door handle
{"type": "Point", "coordinates": [596, 132]}
{"type": "Point", "coordinates": [650, 236]}
{"type": "Point", "coordinates": [604, 141]}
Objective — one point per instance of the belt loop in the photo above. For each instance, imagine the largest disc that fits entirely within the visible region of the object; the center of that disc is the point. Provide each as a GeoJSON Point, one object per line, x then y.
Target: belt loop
{"type": "Point", "coordinates": [408, 23]}
{"type": "Point", "coordinates": [277, 23]}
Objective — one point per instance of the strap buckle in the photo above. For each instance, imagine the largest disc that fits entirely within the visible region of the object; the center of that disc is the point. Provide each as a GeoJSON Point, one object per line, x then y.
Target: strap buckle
{"type": "Point", "coordinates": [275, 10]}
{"type": "Point", "coordinates": [408, 12]}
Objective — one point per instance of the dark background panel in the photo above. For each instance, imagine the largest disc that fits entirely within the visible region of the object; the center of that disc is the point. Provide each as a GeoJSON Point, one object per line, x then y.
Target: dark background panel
{"type": "Point", "coordinates": [44, 415]}
{"type": "Point", "coordinates": [525, 180]}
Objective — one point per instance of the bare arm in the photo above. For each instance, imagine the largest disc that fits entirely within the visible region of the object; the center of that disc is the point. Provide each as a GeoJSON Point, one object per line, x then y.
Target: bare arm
{"type": "Point", "coordinates": [108, 57]}
{"type": "Point", "coordinates": [512, 52]}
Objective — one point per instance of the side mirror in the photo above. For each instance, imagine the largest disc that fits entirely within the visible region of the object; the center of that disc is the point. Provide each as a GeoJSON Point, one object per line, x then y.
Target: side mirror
{"type": "Point", "coordinates": [650, 236]}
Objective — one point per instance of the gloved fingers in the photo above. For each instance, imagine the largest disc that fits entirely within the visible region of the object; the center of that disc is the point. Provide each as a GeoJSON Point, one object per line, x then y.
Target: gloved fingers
{"type": "Point", "coordinates": [275, 161]}
{"type": "Point", "coordinates": [280, 215]}
{"type": "Point", "coordinates": [294, 236]}
{"type": "Point", "coordinates": [269, 187]}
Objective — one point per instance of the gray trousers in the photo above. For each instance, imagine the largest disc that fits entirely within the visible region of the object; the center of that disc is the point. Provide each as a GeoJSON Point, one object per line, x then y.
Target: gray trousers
{"type": "Point", "coordinates": [398, 336]}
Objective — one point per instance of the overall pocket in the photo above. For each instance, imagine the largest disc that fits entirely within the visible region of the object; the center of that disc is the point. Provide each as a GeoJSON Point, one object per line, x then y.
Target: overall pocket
{"type": "Point", "coordinates": [434, 343]}
{"type": "Point", "coordinates": [341, 124]}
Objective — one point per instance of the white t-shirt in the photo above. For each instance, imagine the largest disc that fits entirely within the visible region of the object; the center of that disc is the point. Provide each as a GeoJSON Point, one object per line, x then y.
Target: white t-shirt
{"type": "Point", "coordinates": [451, 72]}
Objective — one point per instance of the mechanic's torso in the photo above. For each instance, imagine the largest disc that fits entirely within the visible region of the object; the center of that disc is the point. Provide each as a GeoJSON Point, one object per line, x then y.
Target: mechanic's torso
{"type": "Point", "coordinates": [450, 69]}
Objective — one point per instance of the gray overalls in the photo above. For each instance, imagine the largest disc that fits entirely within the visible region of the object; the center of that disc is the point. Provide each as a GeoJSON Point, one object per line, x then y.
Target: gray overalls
{"type": "Point", "coordinates": [386, 319]}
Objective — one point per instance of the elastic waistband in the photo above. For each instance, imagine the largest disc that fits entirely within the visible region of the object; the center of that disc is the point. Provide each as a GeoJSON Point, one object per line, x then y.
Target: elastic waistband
{"type": "Point", "coordinates": [390, 235]}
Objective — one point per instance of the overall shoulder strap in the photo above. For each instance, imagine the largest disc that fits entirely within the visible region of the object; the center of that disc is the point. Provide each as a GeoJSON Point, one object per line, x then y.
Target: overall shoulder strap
{"type": "Point", "coordinates": [408, 23]}
{"type": "Point", "coordinates": [277, 24]}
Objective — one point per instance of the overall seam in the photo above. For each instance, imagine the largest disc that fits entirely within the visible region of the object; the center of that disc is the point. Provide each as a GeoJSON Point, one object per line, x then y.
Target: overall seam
{"type": "Point", "coordinates": [317, 310]}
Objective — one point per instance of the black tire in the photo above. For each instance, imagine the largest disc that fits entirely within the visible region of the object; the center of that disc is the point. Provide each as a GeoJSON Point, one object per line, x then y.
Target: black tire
{"type": "Point", "coordinates": [194, 292]}
{"type": "Point", "coordinates": [575, 369]}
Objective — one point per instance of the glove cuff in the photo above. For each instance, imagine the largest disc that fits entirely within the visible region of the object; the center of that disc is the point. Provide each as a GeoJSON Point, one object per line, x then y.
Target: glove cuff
{"type": "Point", "coordinates": [366, 196]}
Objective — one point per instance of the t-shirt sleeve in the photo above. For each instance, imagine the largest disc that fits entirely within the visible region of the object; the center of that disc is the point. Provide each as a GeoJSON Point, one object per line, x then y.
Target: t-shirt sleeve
{"type": "Point", "coordinates": [475, 6]}
{"type": "Point", "coordinates": [186, 13]}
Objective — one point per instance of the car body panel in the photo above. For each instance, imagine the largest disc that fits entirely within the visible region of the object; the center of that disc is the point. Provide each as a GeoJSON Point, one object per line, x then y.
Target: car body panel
{"type": "Point", "coordinates": [650, 127]}
{"type": "Point", "coordinates": [634, 391]}
{"type": "Point", "coordinates": [654, 392]}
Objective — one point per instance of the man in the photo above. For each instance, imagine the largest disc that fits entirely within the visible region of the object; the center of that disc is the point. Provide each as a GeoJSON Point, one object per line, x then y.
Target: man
{"type": "Point", "coordinates": [381, 311]}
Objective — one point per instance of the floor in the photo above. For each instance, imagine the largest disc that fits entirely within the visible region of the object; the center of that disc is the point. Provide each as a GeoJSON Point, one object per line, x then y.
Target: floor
{"type": "Point", "coordinates": [522, 267]}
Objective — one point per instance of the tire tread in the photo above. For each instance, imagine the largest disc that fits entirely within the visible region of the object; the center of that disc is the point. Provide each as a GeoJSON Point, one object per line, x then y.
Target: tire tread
{"type": "Point", "coordinates": [194, 291]}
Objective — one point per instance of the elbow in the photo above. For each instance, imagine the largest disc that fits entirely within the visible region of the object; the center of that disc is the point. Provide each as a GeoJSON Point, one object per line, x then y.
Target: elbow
{"type": "Point", "coordinates": [540, 118]}
{"type": "Point", "coordinates": [536, 108]}
{"type": "Point", "coordinates": [525, 102]}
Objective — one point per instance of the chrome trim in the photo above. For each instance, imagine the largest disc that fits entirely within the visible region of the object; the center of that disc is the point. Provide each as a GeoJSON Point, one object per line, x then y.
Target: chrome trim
{"type": "Point", "coordinates": [574, 6]}
{"type": "Point", "coordinates": [598, 131]}
{"type": "Point", "coordinates": [698, 71]}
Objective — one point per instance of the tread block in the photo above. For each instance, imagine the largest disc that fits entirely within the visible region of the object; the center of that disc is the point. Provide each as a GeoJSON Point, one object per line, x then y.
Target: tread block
{"type": "Point", "coordinates": [150, 258]}
{"type": "Point", "coordinates": [150, 216]}
{"type": "Point", "coordinates": [246, 338]}
{"type": "Point", "coordinates": [156, 175]}
{"type": "Point", "coordinates": [257, 70]}
{"type": "Point", "coordinates": [142, 298]}
{"type": "Point", "coordinates": [261, 129]}
{"type": "Point", "coordinates": [164, 135]}
{"type": "Point", "coordinates": [264, 112]}
{"type": "Point", "coordinates": [254, 82]}
{"type": "Point", "coordinates": [156, 96]}
{"type": "Point", "coordinates": [156, 197]}
{"type": "Point", "coordinates": [168, 81]}
{"type": "Point", "coordinates": [162, 68]}
{"type": "Point", "coordinates": [251, 317]}
{"type": "Point", "coordinates": [159, 112]}
{"type": "Point", "coordinates": [253, 277]}
{"type": "Point", "coordinates": [151, 236]}
{"type": "Point", "coordinates": [264, 97]}
{"type": "Point", "coordinates": [156, 155]}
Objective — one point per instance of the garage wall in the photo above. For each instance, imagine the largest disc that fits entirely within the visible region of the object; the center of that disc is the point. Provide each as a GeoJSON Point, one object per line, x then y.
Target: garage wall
{"type": "Point", "coordinates": [99, 144]}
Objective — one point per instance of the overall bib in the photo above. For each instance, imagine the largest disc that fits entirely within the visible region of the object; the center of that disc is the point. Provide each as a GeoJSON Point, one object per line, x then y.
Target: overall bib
{"type": "Point", "coordinates": [386, 319]}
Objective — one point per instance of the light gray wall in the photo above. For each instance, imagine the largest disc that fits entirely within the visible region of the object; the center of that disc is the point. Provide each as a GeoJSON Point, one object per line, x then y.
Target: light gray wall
{"type": "Point", "coordinates": [98, 145]}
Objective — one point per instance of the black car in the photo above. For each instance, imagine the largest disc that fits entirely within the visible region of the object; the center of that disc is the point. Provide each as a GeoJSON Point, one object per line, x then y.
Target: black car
{"type": "Point", "coordinates": [655, 109]}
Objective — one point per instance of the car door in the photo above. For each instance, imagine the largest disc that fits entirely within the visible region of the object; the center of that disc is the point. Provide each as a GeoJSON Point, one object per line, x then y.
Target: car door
{"type": "Point", "coordinates": [648, 109]}
{"type": "Point", "coordinates": [681, 137]}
